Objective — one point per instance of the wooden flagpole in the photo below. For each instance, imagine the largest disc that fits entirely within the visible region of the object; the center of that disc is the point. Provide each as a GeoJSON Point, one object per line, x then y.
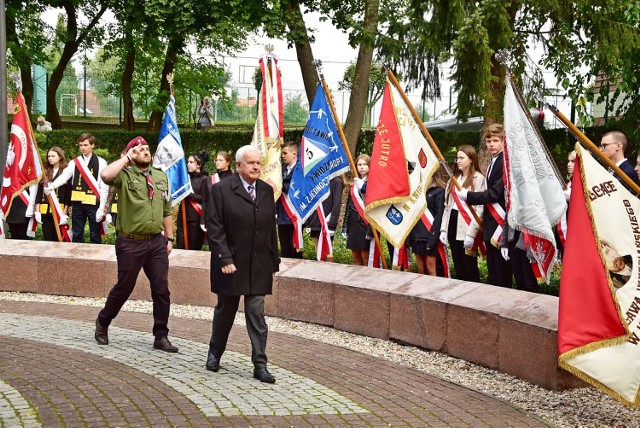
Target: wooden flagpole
{"type": "Point", "coordinates": [55, 222]}
{"type": "Point", "coordinates": [432, 143]}
{"type": "Point", "coordinates": [352, 164]}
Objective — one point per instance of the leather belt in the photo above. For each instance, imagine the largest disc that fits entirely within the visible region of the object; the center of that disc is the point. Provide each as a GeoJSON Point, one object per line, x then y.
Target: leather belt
{"type": "Point", "coordinates": [138, 237]}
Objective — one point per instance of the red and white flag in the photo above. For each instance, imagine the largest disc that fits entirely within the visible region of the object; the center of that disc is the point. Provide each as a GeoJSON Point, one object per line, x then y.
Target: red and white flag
{"type": "Point", "coordinates": [268, 132]}
{"type": "Point", "coordinates": [599, 311]}
{"type": "Point", "coordinates": [534, 195]}
{"type": "Point", "coordinates": [23, 167]}
{"type": "Point", "coordinates": [402, 164]}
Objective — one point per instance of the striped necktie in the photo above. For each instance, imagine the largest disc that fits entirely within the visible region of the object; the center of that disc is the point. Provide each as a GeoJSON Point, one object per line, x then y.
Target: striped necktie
{"type": "Point", "coordinates": [252, 191]}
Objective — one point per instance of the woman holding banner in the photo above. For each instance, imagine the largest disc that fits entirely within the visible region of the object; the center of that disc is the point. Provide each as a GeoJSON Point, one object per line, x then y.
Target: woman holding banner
{"type": "Point", "coordinates": [193, 205]}
{"type": "Point", "coordinates": [55, 164]}
{"type": "Point", "coordinates": [459, 228]}
{"type": "Point", "coordinates": [356, 228]}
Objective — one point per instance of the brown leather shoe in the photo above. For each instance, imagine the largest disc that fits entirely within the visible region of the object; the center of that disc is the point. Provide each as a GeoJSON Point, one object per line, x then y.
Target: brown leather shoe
{"type": "Point", "coordinates": [101, 334]}
{"type": "Point", "coordinates": [163, 344]}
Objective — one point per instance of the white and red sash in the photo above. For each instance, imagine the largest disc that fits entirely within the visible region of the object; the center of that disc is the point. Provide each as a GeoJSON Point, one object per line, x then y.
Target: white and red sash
{"type": "Point", "coordinates": [375, 260]}
{"type": "Point", "coordinates": [324, 247]}
{"type": "Point", "coordinates": [427, 220]}
{"type": "Point", "coordinates": [298, 243]}
{"type": "Point", "coordinates": [215, 178]}
{"type": "Point", "coordinates": [33, 224]}
{"type": "Point", "coordinates": [358, 203]}
{"type": "Point", "coordinates": [93, 184]}
{"type": "Point", "coordinates": [498, 214]}
{"type": "Point", "coordinates": [465, 212]}
{"type": "Point", "coordinates": [57, 212]}
{"type": "Point", "coordinates": [561, 227]}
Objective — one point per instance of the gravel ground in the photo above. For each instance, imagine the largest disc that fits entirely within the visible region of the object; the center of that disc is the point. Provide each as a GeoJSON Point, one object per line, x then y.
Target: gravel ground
{"type": "Point", "coordinates": [583, 407]}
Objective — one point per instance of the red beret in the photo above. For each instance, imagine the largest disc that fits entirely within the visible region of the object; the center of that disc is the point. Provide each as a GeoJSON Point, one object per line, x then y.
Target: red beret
{"type": "Point", "coordinates": [136, 142]}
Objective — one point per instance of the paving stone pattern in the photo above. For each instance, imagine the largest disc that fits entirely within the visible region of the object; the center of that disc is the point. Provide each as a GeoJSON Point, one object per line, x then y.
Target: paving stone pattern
{"type": "Point", "coordinates": [52, 373]}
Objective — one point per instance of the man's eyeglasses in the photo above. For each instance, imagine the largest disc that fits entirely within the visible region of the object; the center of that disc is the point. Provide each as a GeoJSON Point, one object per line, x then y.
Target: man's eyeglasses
{"type": "Point", "coordinates": [604, 146]}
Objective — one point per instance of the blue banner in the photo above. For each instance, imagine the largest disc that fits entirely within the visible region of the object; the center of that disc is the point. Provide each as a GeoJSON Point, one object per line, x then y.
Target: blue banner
{"type": "Point", "coordinates": [170, 156]}
{"type": "Point", "coordinates": [320, 158]}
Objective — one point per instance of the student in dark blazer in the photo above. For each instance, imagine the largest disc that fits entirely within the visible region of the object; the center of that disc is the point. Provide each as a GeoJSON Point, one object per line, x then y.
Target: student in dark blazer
{"type": "Point", "coordinates": [614, 146]}
{"type": "Point", "coordinates": [244, 257]}
{"type": "Point", "coordinates": [499, 268]}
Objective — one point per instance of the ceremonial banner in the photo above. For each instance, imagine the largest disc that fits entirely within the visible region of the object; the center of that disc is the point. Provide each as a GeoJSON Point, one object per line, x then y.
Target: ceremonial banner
{"type": "Point", "coordinates": [599, 312]}
{"type": "Point", "coordinates": [534, 196]}
{"type": "Point", "coordinates": [320, 158]}
{"type": "Point", "coordinates": [402, 165]}
{"type": "Point", "coordinates": [170, 156]}
{"type": "Point", "coordinates": [268, 132]}
{"type": "Point", "coordinates": [23, 166]}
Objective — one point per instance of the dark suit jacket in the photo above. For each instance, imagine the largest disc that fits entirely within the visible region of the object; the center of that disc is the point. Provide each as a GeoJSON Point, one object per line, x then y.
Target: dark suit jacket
{"type": "Point", "coordinates": [494, 193]}
{"type": "Point", "coordinates": [628, 169]}
{"type": "Point", "coordinates": [242, 232]}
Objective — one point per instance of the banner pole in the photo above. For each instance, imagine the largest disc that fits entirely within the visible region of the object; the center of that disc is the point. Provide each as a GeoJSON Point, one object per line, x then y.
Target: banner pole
{"type": "Point", "coordinates": [352, 164]}
{"type": "Point", "coordinates": [432, 143]}
{"type": "Point", "coordinates": [593, 148]}
{"type": "Point", "coordinates": [55, 220]}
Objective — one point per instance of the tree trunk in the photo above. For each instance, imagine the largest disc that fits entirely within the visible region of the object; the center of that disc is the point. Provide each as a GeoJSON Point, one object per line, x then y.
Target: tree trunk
{"type": "Point", "coordinates": [155, 120]}
{"type": "Point", "coordinates": [360, 87]}
{"type": "Point", "coordinates": [493, 108]}
{"type": "Point", "coordinates": [299, 36]}
{"type": "Point", "coordinates": [70, 48]}
{"type": "Point", "coordinates": [129, 122]}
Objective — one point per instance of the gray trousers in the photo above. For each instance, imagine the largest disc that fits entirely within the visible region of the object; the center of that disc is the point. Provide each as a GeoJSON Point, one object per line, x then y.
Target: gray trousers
{"type": "Point", "coordinates": [223, 316]}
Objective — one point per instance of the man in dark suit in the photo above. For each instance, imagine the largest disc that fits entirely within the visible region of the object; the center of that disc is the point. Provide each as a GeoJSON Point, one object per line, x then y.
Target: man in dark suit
{"type": "Point", "coordinates": [286, 228]}
{"type": "Point", "coordinates": [494, 200]}
{"type": "Point", "coordinates": [244, 256]}
{"type": "Point", "coordinates": [614, 145]}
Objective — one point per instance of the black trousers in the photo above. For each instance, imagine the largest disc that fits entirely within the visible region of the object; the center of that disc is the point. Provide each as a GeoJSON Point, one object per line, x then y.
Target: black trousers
{"type": "Point", "coordinates": [194, 233]}
{"type": "Point", "coordinates": [223, 316]}
{"type": "Point", "coordinates": [79, 215]}
{"type": "Point", "coordinates": [522, 269]}
{"type": "Point", "coordinates": [19, 230]}
{"type": "Point", "coordinates": [48, 228]}
{"type": "Point", "coordinates": [499, 268]}
{"type": "Point", "coordinates": [285, 236]}
{"type": "Point", "coordinates": [133, 255]}
{"type": "Point", "coordinates": [466, 266]}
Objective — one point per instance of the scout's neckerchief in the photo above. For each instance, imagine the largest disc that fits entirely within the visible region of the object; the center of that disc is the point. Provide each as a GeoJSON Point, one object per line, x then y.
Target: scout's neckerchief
{"type": "Point", "coordinates": [464, 211]}
{"type": "Point", "coordinates": [33, 224]}
{"type": "Point", "coordinates": [427, 220]}
{"type": "Point", "coordinates": [93, 184]}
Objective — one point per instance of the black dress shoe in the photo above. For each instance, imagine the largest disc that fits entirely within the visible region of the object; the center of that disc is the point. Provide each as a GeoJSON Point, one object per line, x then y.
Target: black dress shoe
{"type": "Point", "coordinates": [101, 334]}
{"type": "Point", "coordinates": [213, 364]}
{"type": "Point", "coordinates": [263, 374]}
{"type": "Point", "coordinates": [163, 344]}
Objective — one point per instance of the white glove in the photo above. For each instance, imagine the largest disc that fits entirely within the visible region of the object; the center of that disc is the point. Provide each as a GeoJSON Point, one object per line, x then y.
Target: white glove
{"type": "Point", "coordinates": [330, 232]}
{"type": "Point", "coordinates": [505, 253]}
{"type": "Point", "coordinates": [344, 235]}
{"type": "Point", "coordinates": [49, 189]}
{"type": "Point", "coordinates": [567, 194]}
{"type": "Point", "coordinates": [38, 217]}
{"type": "Point", "coordinates": [99, 215]}
{"type": "Point", "coordinates": [443, 237]}
{"type": "Point", "coordinates": [468, 242]}
{"type": "Point", "coordinates": [463, 194]}
{"type": "Point", "coordinates": [64, 219]}
{"type": "Point", "coordinates": [108, 218]}
{"type": "Point", "coordinates": [359, 182]}
{"type": "Point", "coordinates": [29, 212]}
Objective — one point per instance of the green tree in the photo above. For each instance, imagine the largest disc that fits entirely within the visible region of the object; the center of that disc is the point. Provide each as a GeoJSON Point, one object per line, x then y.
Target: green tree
{"type": "Point", "coordinates": [377, 82]}
{"type": "Point", "coordinates": [296, 111]}
{"type": "Point", "coordinates": [422, 35]}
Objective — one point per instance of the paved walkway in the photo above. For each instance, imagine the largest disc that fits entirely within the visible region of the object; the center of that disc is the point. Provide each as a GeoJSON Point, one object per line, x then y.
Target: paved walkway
{"type": "Point", "coordinates": [52, 373]}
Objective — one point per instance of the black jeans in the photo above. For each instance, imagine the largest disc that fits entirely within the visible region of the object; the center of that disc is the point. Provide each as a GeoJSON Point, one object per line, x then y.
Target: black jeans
{"type": "Point", "coordinates": [133, 255]}
{"type": "Point", "coordinates": [79, 215]}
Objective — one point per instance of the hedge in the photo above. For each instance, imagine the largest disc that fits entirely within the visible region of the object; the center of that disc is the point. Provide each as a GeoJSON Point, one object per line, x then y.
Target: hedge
{"type": "Point", "coordinates": [111, 142]}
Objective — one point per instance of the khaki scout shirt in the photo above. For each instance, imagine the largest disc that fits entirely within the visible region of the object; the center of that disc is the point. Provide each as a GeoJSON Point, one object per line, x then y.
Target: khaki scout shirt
{"type": "Point", "coordinates": [137, 213]}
